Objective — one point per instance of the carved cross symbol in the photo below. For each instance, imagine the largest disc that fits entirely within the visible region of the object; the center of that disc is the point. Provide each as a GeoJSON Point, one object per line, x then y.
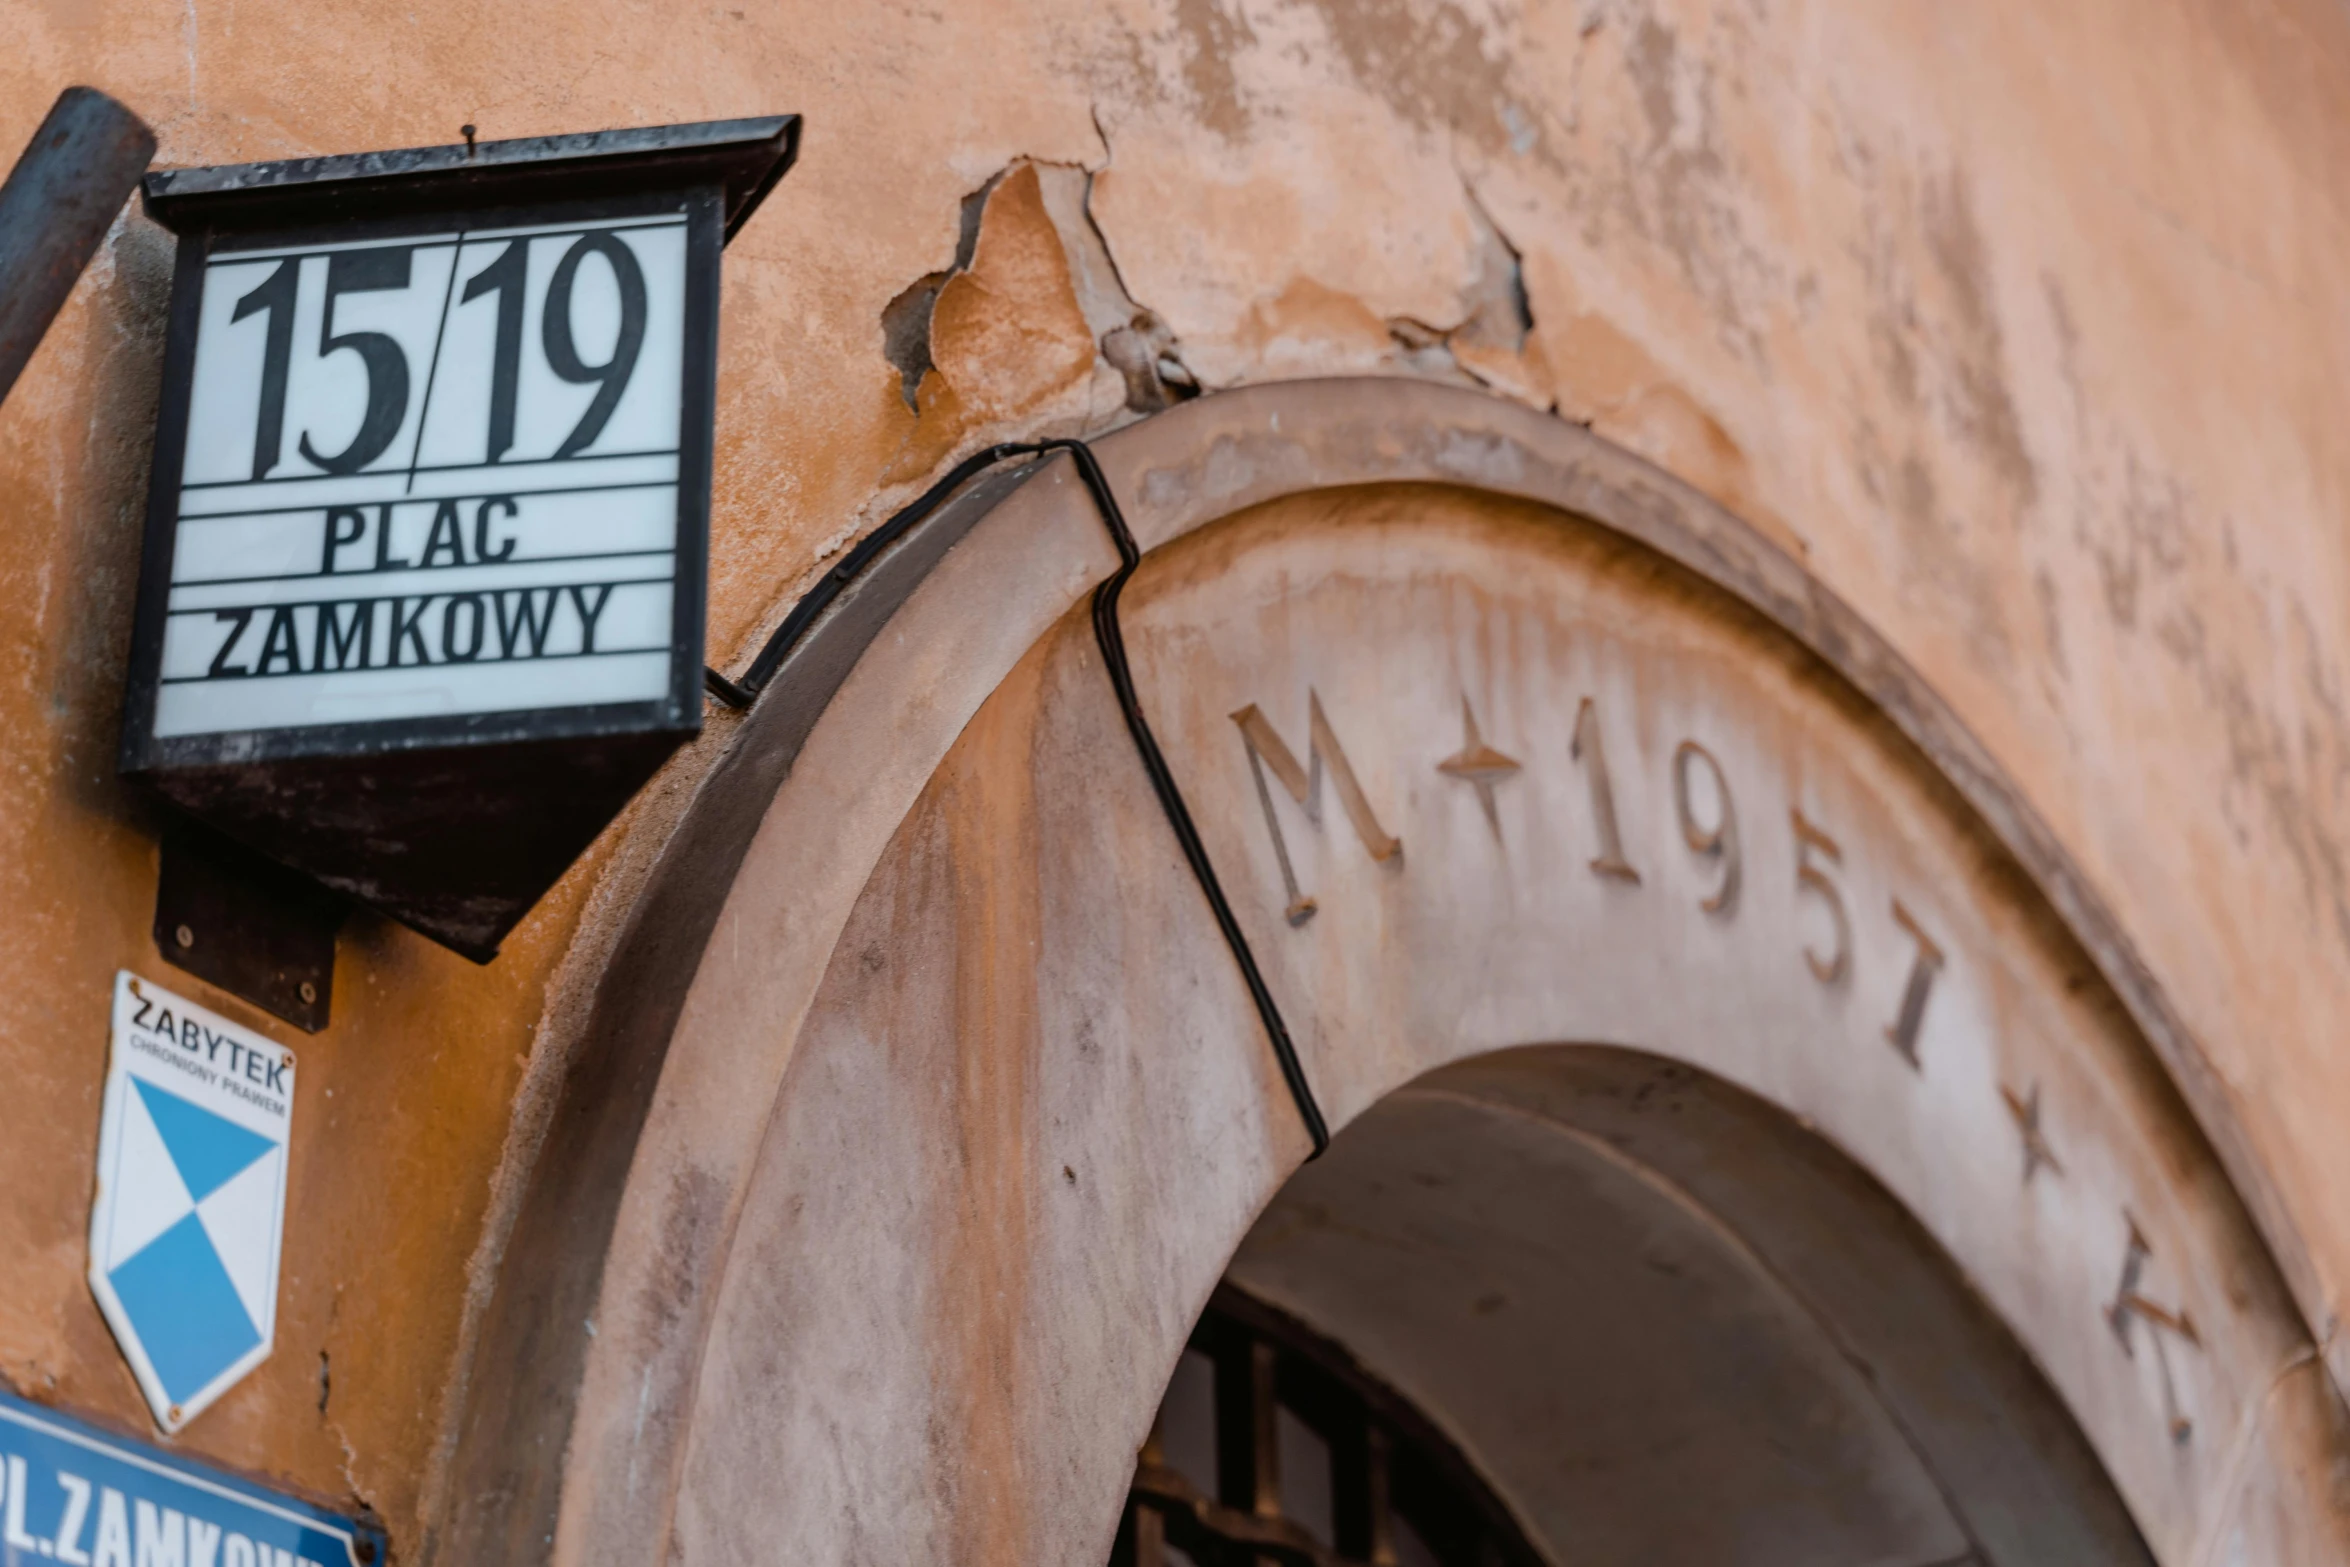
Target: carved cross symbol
{"type": "Point", "coordinates": [1480, 764]}
{"type": "Point", "coordinates": [2025, 1108]}
{"type": "Point", "coordinates": [2129, 1306]}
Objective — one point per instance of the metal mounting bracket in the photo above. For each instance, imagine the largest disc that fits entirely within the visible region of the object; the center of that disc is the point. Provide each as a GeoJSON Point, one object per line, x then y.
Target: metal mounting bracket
{"type": "Point", "coordinates": [259, 931]}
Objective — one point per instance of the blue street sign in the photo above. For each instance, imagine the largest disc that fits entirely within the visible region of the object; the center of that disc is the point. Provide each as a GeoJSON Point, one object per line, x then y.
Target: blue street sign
{"type": "Point", "coordinates": [74, 1495]}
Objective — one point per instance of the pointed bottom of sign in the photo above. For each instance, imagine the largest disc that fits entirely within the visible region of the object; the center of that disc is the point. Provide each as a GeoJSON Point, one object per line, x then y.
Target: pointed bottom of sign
{"type": "Point", "coordinates": [184, 1307]}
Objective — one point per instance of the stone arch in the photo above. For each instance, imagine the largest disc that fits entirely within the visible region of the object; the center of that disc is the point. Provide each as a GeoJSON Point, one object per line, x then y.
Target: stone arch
{"type": "Point", "coordinates": [921, 1106]}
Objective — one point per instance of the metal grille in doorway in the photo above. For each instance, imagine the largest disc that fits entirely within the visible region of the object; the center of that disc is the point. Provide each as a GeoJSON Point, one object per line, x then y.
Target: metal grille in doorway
{"type": "Point", "coordinates": [1273, 1448]}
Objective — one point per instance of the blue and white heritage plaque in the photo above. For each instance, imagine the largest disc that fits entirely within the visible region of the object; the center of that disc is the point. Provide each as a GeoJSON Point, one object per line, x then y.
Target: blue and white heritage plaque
{"type": "Point", "coordinates": [190, 1215]}
{"type": "Point", "coordinates": [74, 1494]}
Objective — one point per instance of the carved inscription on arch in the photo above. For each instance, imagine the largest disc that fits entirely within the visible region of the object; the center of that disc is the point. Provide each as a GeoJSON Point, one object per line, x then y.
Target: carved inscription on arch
{"type": "Point", "coordinates": [2025, 1110]}
{"type": "Point", "coordinates": [1590, 750]}
{"type": "Point", "coordinates": [1902, 1033]}
{"type": "Point", "coordinates": [2132, 1306]}
{"type": "Point", "coordinates": [1703, 802]}
{"type": "Point", "coordinates": [1479, 765]}
{"type": "Point", "coordinates": [1267, 750]}
{"type": "Point", "coordinates": [1716, 840]}
{"type": "Point", "coordinates": [1816, 855]}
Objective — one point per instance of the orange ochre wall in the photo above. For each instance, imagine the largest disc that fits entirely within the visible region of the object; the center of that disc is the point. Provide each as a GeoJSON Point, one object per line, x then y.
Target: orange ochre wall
{"type": "Point", "coordinates": [2022, 325]}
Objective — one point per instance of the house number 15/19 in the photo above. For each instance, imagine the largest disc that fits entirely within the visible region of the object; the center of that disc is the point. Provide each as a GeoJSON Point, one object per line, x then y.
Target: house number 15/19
{"type": "Point", "coordinates": [429, 476]}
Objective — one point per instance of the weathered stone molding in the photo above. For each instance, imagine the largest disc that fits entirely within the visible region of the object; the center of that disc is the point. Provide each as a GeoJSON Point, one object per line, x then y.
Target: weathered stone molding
{"type": "Point", "coordinates": [577, 1411]}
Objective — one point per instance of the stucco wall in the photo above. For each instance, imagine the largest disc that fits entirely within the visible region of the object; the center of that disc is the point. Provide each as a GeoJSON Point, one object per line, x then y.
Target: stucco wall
{"type": "Point", "coordinates": [2016, 323]}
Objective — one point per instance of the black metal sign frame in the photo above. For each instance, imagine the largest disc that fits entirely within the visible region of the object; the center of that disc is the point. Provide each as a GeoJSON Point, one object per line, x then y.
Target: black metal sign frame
{"type": "Point", "coordinates": [453, 823]}
{"type": "Point", "coordinates": [679, 710]}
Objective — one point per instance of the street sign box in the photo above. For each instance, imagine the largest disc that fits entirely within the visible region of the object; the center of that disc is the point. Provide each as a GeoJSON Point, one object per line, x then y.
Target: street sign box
{"type": "Point", "coordinates": [422, 596]}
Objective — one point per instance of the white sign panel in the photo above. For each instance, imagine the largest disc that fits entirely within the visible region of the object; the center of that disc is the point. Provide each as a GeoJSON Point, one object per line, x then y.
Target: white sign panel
{"type": "Point", "coordinates": [429, 477]}
{"type": "Point", "coordinates": [187, 1228]}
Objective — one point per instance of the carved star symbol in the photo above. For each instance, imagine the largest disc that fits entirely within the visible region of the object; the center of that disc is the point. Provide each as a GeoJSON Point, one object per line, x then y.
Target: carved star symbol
{"type": "Point", "coordinates": [1480, 764]}
{"type": "Point", "coordinates": [2025, 1108]}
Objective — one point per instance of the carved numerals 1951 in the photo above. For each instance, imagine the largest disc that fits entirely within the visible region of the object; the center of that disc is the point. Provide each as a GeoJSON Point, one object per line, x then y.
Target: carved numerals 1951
{"type": "Point", "coordinates": [1902, 1034]}
{"type": "Point", "coordinates": [1588, 749]}
{"type": "Point", "coordinates": [1706, 812]}
{"type": "Point", "coordinates": [1717, 842]}
{"type": "Point", "coordinates": [1814, 850]}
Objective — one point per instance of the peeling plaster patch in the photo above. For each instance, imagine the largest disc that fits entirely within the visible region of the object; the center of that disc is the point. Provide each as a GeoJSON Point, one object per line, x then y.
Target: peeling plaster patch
{"type": "Point", "coordinates": [1211, 36]}
{"type": "Point", "coordinates": [1934, 559]}
{"type": "Point", "coordinates": [1500, 317]}
{"type": "Point", "coordinates": [905, 335]}
{"type": "Point", "coordinates": [1675, 185]}
{"type": "Point", "coordinates": [1985, 412]}
{"type": "Point", "coordinates": [2151, 539]}
{"type": "Point", "coordinates": [1143, 352]}
{"type": "Point", "coordinates": [1604, 376]}
{"type": "Point", "coordinates": [1425, 349]}
{"type": "Point", "coordinates": [1093, 271]}
{"type": "Point", "coordinates": [2153, 576]}
{"type": "Point", "coordinates": [2168, 571]}
{"type": "Point", "coordinates": [1949, 463]}
{"type": "Point", "coordinates": [1439, 66]}
{"type": "Point", "coordinates": [2264, 769]}
{"type": "Point", "coordinates": [1134, 341]}
{"type": "Point", "coordinates": [905, 320]}
{"type": "Point", "coordinates": [968, 341]}
{"type": "Point", "coordinates": [1005, 331]}
{"type": "Point", "coordinates": [1031, 330]}
{"type": "Point", "coordinates": [1491, 343]}
{"type": "Point", "coordinates": [1309, 326]}
{"type": "Point", "coordinates": [1935, 336]}
{"type": "Point", "coordinates": [2044, 589]}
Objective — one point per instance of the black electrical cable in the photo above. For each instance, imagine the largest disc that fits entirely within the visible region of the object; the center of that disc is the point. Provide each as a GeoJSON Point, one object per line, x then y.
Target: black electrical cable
{"type": "Point", "coordinates": [852, 565]}
{"type": "Point", "coordinates": [1112, 641]}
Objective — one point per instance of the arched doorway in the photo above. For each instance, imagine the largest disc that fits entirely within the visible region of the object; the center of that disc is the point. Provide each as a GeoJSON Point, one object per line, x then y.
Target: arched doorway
{"type": "Point", "coordinates": [923, 1109]}
{"type": "Point", "coordinates": [1638, 1316]}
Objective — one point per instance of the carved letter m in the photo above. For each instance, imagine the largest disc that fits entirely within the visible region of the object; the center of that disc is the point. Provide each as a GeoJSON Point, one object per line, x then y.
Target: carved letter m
{"type": "Point", "coordinates": [1304, 784]}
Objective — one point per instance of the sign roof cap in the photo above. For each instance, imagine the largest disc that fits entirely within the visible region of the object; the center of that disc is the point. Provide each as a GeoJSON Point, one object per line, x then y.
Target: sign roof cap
{"type": "Point", "coordinates": [746, 156]}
